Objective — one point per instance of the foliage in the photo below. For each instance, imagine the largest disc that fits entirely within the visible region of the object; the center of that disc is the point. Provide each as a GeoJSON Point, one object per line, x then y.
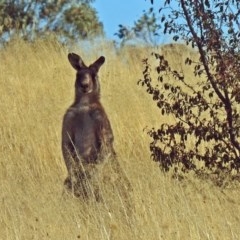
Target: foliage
{"type": "Point", "coordinates": [145, 28]}
{"type": "Point", "coordinates": [29, 19]}
{"type": "Point", "coordinates": [207, 114]}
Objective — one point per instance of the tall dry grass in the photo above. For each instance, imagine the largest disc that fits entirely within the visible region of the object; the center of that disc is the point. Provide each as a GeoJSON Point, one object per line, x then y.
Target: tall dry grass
{"type": "Point", "coordinates": [36, 87]}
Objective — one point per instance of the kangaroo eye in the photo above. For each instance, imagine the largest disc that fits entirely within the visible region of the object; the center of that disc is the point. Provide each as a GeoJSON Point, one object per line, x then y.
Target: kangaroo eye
{"type": "Point", "coordinates": [83, 77]}
{"type": "Point", "coordinates": [78, 81]}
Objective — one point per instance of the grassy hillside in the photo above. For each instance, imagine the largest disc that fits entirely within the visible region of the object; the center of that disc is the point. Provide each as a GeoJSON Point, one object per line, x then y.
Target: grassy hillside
{"type": "Point", "coordinates": [36, 87]}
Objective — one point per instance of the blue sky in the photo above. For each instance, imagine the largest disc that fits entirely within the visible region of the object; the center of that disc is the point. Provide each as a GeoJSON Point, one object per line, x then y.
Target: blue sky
{"type": "Point", "coordinates": [114, 12]}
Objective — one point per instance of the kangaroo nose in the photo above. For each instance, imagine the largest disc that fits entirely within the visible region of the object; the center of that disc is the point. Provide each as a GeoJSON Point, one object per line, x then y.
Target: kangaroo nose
{"type": "Point", "coordinates": [84, 85]}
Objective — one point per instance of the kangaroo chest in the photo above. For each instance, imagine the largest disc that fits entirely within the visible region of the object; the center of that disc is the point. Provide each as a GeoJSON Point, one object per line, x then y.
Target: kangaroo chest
{"type": "Point", "coordinates": [84, 123]}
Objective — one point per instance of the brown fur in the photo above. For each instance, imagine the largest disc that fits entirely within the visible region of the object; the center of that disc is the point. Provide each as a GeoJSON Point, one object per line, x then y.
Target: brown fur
{"type": "Point", "coordinates": [87, 136]}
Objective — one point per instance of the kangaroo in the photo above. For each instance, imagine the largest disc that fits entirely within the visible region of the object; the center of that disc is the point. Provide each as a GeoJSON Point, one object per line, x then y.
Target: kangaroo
{"type": "Point", "coordinates": [87, 135]}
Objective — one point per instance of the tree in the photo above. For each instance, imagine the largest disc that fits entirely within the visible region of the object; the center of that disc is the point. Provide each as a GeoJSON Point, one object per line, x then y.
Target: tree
{"type": "Point", "coordinates": [207, 114]}
{"type": "Point", "coordinates": [144, 29]}
{"type": "Point", "coordinates": [29, 19]}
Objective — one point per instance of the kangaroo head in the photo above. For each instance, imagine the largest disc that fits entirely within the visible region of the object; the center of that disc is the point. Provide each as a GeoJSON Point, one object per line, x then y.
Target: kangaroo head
{"type": "Point", "coordinates": [86, 78]}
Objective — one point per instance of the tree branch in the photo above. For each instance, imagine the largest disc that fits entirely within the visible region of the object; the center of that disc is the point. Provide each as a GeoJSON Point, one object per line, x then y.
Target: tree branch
{"type": "Point", "coordinates": [224, 98]}
{"type": "Point", "coordinates": [202, 53]}
{"type": "Point", "coordinates": [228, 108]}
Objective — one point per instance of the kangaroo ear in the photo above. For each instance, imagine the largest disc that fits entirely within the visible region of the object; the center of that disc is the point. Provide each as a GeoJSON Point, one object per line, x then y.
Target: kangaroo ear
{"type": "Point", "coordinates": [98, 63]}
{"type": "Point", "coordinates": [76, 61]}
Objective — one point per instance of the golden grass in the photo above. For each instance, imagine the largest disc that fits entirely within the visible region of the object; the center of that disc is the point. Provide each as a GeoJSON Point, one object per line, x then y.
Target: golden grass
{"type": "Point", "coordinates": [36, 87]}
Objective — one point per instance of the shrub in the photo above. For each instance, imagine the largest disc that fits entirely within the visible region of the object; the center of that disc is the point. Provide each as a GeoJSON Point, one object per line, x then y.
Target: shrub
{"type": "Point", "coordinates": [206, 113]}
